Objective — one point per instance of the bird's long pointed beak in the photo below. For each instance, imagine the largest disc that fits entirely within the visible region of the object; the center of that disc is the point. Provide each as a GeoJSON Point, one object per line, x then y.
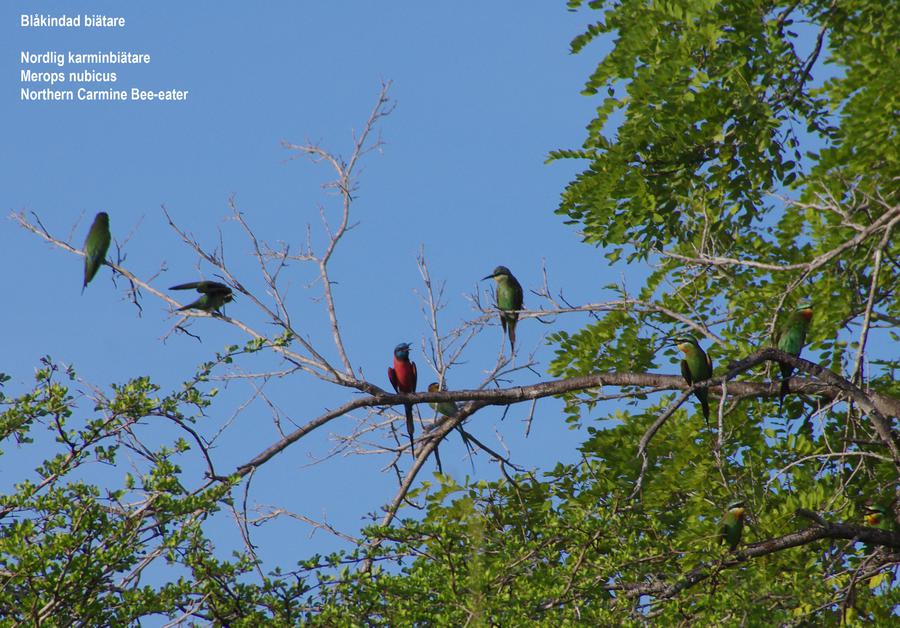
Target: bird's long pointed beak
{"type": "Point", "coordinates": [488, 277]}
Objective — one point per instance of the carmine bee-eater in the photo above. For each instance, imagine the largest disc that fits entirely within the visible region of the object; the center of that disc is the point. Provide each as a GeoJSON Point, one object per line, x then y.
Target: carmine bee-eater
{"type": "Point", "coordinates": [403, 378]}
{"type": "Point", "coordinates": [213, 295]}
{"type": "Point", "coordinates": [509, 301]}
{"type": "Point", "coordinates": [95, 246]}
{"type": "Point", "coordinates": [790, 339]}
{"type": "Point", "coordinates": [732, 525]}
{"type": "Point", "coordinates": [695, 367]}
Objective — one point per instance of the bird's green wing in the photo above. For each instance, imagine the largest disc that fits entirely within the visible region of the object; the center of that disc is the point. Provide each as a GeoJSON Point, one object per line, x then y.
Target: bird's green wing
{"type": "Point", "coordinates": [518, 297]}
{"type": "Point", "coordinates": [686, 372]}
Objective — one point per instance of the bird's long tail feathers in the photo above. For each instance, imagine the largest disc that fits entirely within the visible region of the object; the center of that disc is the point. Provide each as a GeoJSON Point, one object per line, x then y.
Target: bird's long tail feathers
{"type": "Point", "coordinates": [512, 336]}
{"type": "Point", "coordinates": [785, 389]}
{"type": "Point", "coordinates": [437, 460]}
{"type": "Point", "coordinates": [704, 404]}
{"type": "Point", "coordinates": [786, 371]}
{"type": "Point", "coordinates": [410, 427]}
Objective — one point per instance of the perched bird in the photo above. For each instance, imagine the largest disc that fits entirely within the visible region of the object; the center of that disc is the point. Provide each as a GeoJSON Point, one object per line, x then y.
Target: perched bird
{"type": "Point", "coordinates": [790, 339]}
{"type": "Point", "coordinates": [213, 295]}
{"type": "Point", "coordinates": [403, 378]}
{"type": "Point", "coordinates": [732, 525]}
{"type": "Point", "coordinates": [877, 516]}
{"type": "Point", "coordinates": [95, 246]}
{"type": "Point", "coordinates": [695, 367]}
{"type": "Point", "coordinates": [447, 408]}
{"type": "Point", "coordinates": [509, 301]}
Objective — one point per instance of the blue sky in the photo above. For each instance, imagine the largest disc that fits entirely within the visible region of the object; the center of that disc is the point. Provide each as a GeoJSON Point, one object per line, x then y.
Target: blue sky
{"type": "Point", "coordinates": [483, 92]}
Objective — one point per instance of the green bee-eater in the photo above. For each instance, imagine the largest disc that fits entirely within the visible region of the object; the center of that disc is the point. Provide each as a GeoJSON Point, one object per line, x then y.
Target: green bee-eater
{"type": "Point", "coordinates": [790, 339]}
{"type": "Point", "coordinates": [213, 295]}
{"type": "Point", "coordinates": [95, 246]}
{"type": "Point", "coordinates": [509, 301]}
{"type": "Point", "coordinates": [447, 408]}
{"type": "Point", "coordinates": [732, 525]}
{"type": "Point", "coordinates": [878, 516]}
{"type": "Point", "coordinates": [695, 367]}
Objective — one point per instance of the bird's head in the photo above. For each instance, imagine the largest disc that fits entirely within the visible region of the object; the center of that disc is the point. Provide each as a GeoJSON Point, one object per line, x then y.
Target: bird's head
{"type": "Point", "coordinates": [684, 343]}
{"type": "Point", "coordinates": [805, 310]}
{"type": "Point", "coordinates": [102, 217]}
{"type": "Point", "coordinates": [434, 387]}
{"type": "Point", "coordinates": [736, 508]}
{"type": "Point", "coordinates": [401, 351]}
{"type": "Point", "coordinates": [874, 514]}
{"type": "Point", "coordinates": [498, 273]}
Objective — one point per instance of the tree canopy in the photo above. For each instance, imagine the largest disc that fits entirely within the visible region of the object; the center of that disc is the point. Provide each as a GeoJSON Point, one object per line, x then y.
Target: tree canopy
{"type": "Point", "coordinates": [743, 162]}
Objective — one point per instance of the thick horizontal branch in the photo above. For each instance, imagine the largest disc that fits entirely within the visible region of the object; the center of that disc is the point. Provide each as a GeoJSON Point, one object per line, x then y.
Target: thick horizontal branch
{"type": "Point", "coordinates": [658, 382]}
{"type": "Point", "coordinates": [881, 404]}
{"type": "Point", "coordinates": [819, 531]}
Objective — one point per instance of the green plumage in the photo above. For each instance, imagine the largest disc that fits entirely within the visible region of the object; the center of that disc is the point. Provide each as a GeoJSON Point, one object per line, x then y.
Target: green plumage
{"type": "Point", "coordinates": [449, 409]}
{"type": "Point", "coordinates": [446, 408]}
{"type": "Point", "coordinates": [95, 246]}
{"type": "Point", "coordinates": [696, 367]}
{"type": "Point", "coordinates": [732, 525]}
{"type": "Point", "coordinates": [509, 301]}
{"type": "Point", "coordinates": [790, 338]}
{"type": "Point", "coordinates": [878, 516]}
{"type": "Point", "coordinates": [213, 295]}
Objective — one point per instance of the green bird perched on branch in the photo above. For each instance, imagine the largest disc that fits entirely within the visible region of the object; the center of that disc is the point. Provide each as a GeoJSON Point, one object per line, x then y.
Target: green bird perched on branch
{"type": "Point", "coordinates": [790, 339]}
{"type": "Point", "coordinates": [509, 301]}
{"type": "Point", "coordinates": [878, 516]}
{"type": "Point", "coordinates": [447, 408]}
{"type": "Point", "coordinates": [95, 246]}
{"type": "Point", "coordinates": [213, 295]}
{"type": "Point", "coordinates": [695, 367]}
{"type": "Point", "coordinates": [732, 525]}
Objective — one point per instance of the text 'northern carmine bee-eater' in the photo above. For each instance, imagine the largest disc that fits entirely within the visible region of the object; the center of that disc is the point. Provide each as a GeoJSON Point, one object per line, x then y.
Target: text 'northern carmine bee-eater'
{"type": "Point", "coordinates": [95, 246]}
{"type": "Point", "coordinates": [213, 295]}
{"type": "Point", "coordinates": [790, 338]}
{"type": "Point", "coordinates": [509, 301]}
{"type": "Point", "coordinates": [695, 367]}
{"type": "Point", "coordinates": [732, 525]}
{"type": "Point", "coordinates": [403, 377]}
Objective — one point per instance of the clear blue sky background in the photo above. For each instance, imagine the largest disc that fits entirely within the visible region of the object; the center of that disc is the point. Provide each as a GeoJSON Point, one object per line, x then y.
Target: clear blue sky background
{"type": "Point", "coordinates": [483, 92]}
